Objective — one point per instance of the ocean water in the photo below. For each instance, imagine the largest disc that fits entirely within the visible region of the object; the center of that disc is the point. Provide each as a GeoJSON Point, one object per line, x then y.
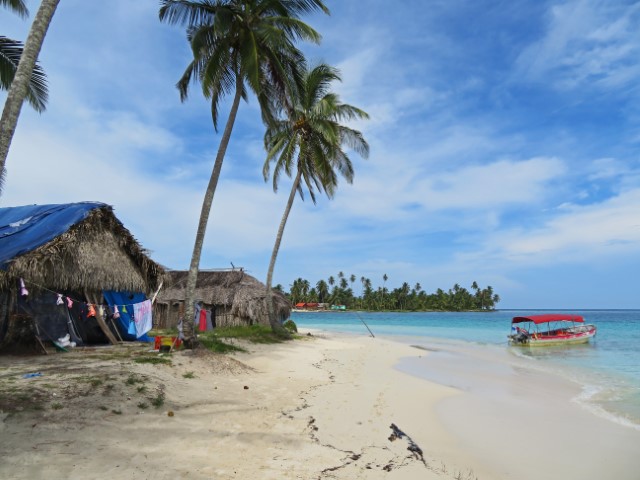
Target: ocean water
{"type": "Point", "coordinates": [608, 368]}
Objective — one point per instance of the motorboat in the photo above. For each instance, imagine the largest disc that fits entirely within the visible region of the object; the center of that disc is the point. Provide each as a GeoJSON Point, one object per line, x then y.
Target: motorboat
{"type": "Point", "coordinates": [550, 329]}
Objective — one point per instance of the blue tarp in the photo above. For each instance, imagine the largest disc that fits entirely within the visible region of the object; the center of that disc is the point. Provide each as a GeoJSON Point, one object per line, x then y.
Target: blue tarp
{"type": "Point", "coordinates": [126, 318]}
{"type": "Point", "coordinates": [23, 229]}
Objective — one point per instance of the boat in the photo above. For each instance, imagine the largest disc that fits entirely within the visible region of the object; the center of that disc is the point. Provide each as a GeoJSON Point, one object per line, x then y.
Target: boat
{"type": "Point", "coordinates": [550, 329]}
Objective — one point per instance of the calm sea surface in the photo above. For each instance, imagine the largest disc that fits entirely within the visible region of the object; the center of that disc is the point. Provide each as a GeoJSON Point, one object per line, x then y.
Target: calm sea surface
{"type": "Point", "coordinates": [608, 368]}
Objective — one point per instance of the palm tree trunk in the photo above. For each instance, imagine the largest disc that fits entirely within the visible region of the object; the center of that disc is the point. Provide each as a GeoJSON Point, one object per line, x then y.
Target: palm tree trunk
{"type": "Point", "coordinates": [20, 85]}
{"type": "Point", "coordinates": [275, 325]}
{"type": "Point", "coordinates": [192, 278]}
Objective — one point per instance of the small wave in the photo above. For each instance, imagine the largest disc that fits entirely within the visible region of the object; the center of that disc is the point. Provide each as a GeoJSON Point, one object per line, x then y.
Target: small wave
{"type": "Point", "coordinates": [587, 400]}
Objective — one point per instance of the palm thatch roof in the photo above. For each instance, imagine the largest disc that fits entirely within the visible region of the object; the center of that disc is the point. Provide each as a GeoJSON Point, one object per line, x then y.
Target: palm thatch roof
{"type": "Point", "coordinates": [97, 253]}
{"type": "Point", "coordinates": [243, 296]}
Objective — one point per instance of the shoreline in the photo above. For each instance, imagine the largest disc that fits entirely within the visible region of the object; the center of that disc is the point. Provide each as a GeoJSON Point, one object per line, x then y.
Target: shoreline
{"type": "Point", "coordinates": [510, 408]}
{"type": "Point", "coordinates": [319, 407]}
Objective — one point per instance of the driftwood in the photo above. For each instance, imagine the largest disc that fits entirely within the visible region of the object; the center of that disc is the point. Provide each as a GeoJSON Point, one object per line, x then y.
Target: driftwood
{"type": "Point", "coordinates": [413, 446]}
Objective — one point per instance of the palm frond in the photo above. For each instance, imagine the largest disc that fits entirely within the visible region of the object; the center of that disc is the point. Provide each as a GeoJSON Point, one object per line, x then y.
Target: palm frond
{"type": "Point", "coordinates": [10, 53]}
{"type": "Point", "coordinates": [184, 12]}
{"type": "Point", "coordinates": [17, 6]}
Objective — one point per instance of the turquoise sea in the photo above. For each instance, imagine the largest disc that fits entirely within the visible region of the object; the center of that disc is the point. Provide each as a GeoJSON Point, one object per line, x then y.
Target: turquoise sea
{"type": "Point", "coordinates": [608, 368]}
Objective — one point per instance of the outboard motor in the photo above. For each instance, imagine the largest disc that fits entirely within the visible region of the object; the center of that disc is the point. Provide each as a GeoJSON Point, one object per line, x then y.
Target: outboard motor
{"type": "Point", "coordinates": [521, 337]}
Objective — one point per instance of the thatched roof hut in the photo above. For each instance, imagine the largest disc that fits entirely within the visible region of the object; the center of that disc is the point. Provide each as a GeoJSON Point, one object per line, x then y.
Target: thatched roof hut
{"type": "Point", "coordinates": [79, 250]}
{"type": "Point", "coordinates": [89, 249]}
{"type": "Point", "coordinates": [232, 296]}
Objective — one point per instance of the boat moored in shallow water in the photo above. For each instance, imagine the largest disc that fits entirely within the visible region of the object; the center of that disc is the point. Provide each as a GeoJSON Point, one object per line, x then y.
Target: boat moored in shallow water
{"type": "Point", "coordinates": [550, 329]}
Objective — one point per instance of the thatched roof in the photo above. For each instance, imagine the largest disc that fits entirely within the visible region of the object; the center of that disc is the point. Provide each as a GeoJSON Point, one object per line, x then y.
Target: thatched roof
{"type": "Point", "coordinates": [235, 289]}
{"type": "Point", "coordinates": [97, 253]}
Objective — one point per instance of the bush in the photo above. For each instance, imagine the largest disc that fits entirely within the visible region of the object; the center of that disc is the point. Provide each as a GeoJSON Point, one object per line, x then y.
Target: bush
{"type": "Point", "coordinates": [291, 326]}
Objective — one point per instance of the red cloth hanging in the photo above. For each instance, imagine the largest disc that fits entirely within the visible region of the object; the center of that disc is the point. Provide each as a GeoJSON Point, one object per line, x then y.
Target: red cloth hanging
{"type": "Point", "coordinates": [202, 326]}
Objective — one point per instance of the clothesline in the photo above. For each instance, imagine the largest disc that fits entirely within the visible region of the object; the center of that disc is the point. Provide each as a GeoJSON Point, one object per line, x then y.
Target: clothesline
{"type": "Point", "coordinates": [140, 315]}
{"type": "Point", "coordinates": [23, 288]}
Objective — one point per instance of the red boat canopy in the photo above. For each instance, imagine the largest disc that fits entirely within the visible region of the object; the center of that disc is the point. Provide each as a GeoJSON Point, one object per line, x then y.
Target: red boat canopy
{"type": "Point", "coordinates": [549, 317]}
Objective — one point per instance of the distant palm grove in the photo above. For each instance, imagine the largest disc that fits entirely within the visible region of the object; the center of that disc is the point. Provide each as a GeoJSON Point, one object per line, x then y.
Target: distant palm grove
{"type": "Point", "coordinates": [341, 290]}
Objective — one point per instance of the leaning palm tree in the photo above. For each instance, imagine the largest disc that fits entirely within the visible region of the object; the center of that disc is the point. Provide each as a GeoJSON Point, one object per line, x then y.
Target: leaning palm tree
{"type": "Point", "coordinates": [236, 44]}
{"type": "Point", "coordinates": [310, 141]}
{"type": "Point", "coordinates": [20, 74]}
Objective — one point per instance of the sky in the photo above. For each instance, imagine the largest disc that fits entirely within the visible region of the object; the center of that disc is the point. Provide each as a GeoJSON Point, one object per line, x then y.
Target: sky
{"type": "Point", "coordinates": [504, 143]}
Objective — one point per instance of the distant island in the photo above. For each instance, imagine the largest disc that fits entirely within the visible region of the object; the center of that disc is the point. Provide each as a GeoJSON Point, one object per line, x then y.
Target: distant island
{"type": "Point", "coordinates": [340, 291]}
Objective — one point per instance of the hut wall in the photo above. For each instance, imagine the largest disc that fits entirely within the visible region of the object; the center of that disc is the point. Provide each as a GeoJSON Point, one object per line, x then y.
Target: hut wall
{"type": "Point", "coordinates": [167, 315]}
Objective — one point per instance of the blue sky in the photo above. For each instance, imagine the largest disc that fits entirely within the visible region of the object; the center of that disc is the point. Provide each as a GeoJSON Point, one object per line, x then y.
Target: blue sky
{"type": "Point", "coordinates": [504, 140]}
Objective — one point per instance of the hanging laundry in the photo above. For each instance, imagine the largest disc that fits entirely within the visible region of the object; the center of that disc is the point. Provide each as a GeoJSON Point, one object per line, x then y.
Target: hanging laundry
{"type": "Point", "coordinates": [59, 301]}
{"type": "Point", "coordinates": [124, 309]}
{"type": "Point", "coordinates": [203, 321]}
{"type": "Point", "coordinates": [142, 317]}
{"type": "Point", "coordinates": [196, 315]}
{"type": "Point", "coordinates": [116, 313]}
{"type": "Point", "coordinates": [91, 312]}
{"type": "Point", "coordinates": [23, 290]}
{"type": "Point", "coordinates": [69, 303]}
{"type": "Point", "coordinates": [131, 328]}
{"type": "Point", "coordinates": [210, 325]}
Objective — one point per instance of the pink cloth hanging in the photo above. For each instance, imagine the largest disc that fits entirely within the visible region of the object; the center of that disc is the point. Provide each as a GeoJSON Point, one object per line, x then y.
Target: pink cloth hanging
{"type": "Point", "coordinates": [23, 290]}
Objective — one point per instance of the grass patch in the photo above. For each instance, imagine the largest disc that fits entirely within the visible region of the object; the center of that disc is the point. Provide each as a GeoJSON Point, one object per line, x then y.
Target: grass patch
{"type": "Point", "coordinates": [189, 375]}
{"type": "Point", "coordinates": [154, 360]}
{"type": "Point", "coordinates": [158, 400]}
{"type": "Point", "coordinates": [56, 406]}
{"type": "Point", "coordinates": [143, 405]}
{"type": "Point", "coordinates": [102, 407]}
{"type": "Point", "coordinates": [116, 411]}
{"type": "Point", "coordinates": [252, 333]}
{"type": "Point", "coordinates": [142, 388]}
{"type": "Point", "coordinates": [133, 379]}
{"type": "Point", "coordinates": [211, 342]}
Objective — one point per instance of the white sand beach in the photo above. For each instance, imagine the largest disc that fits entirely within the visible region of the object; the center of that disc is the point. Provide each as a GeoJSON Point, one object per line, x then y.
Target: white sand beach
{"type": "Point", "coordinates": [315, 408]}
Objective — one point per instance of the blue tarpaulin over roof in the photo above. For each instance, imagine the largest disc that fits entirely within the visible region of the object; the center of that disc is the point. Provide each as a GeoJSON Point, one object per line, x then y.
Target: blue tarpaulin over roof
{"type": "Point", "coordinates": [23, 229]}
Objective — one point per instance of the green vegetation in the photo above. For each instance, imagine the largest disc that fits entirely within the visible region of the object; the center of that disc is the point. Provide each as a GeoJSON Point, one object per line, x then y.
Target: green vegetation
{"type": "Point", "coordinates": [404, 298]}
{"type": "Point", "coordinates": [291, 326]}
{"type": "Point", "coordinates": [133, 379]}
{"type": "Point", "coordinates": [220, 340]}
{"type": "Point", "coordinates": [158, 400]}
{"type": "Point", "coordinates": [189, 375]}
{"type": "Point", "coordinates": [154, 359]}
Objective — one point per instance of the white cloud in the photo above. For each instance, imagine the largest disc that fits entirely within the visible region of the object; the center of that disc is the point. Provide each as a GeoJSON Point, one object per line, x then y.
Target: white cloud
{"type": "Point", "coordinates": [609, 228]}
{"type": "Point", "coordinates": [586, 42]}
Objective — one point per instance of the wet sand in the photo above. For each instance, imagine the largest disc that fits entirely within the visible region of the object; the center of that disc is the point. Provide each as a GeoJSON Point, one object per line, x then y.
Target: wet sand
{"type": "Point", "coordinates": [523, 422]}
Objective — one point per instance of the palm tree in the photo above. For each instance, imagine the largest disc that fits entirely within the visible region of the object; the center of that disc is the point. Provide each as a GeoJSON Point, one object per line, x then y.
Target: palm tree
{"type": "Point", "coordinates": [235, 44]}
{"type": "Point", "coordinates": [384, 283]}
{"type": "Point", "coordinates": [10, 53]}
{"type": "Point", "coordinates": [310, 140]}
{"type": "Point", "coordinates": [323, 291]}
{"type": "Point", "coordinates": [27, 80]}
